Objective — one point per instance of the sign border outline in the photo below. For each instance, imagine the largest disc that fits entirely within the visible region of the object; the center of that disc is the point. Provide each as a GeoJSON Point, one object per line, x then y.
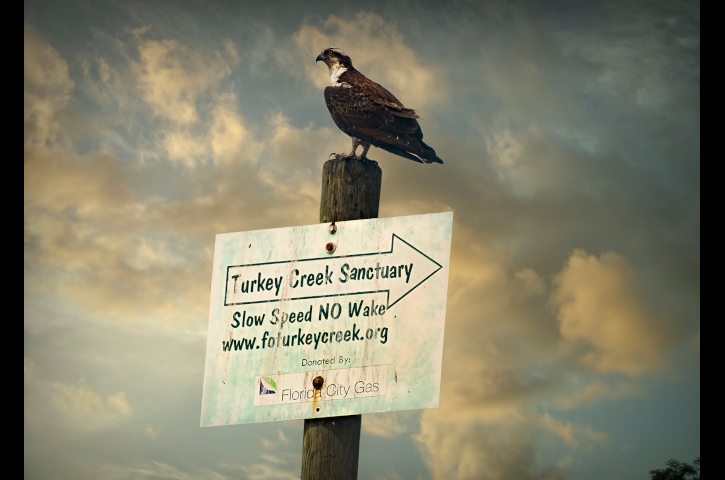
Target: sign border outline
{"type": "Point", "coordinates": [388, 305]}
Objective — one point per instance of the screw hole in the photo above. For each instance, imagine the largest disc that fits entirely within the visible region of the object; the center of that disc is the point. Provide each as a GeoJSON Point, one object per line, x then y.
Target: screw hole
{"type": "Point", "coordinates": [317, 410]}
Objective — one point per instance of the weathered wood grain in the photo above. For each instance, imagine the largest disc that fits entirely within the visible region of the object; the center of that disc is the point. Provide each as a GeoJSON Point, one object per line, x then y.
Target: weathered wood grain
{"type": "Point", "coordinates": [350, 190]}
{"type": "Point", "coordinates": [331, 448]}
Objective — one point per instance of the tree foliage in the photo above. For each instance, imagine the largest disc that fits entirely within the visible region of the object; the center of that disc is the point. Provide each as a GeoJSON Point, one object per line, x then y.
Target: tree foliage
{"type": "Point", "coordinates": [677, 471]}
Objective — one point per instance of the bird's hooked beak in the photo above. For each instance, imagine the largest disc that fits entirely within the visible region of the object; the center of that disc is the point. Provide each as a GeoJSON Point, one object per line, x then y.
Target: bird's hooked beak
{"type": "Point", "coordinates": [320, 57]}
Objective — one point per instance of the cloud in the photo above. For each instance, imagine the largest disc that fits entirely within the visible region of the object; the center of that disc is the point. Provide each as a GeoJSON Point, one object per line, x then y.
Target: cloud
{"type": "Point", "coordinates": [531, 283]}
{"type": "Point", "coordinates": [281, 436]}
{"type": "Point", "coordinates": [279, 465]}
{"type": "Point", "coordinates": [75, 212]}
{"type": "Point", "coordinates": [185, 147]}
{"type": "Point", "coordinates": [597, 391]}
{"type": "Point", "coordinates": [171, 77]}
{"type": "Point", "coordinates": [29, 368]}
{"type": "Point", "coordinates": [151, 433]}
{"type": "Point", "coordinates": [55, 179]}
{"type": "Point", "coordinates": [46, 88]}
{"type": "Point", "coordinates": [77, 400]}
{"type": "Point", "coordinates": [502, 371]}
{"type": "Point", "coordinates": [127, 254]}
{"type": "Point", "coordinates": [274, 444]}
{"type": "Point", "coordinates": [230, 140]}
{"type": "Point", "coordinates": [81, 400]}
{"type": "Point", "coordinates": [87, 220]}
{"type": "Point", "coordinates": [470, 447]}
{"type": "Point", "coordinates": [275, 467]}
{"type": "Point", "coordinates": [119, 402]}
{"type": "Point", "coordinates": [377, 49]}
{"type": "Point", "coordinates": [225, 140]}
{"type": "Point", "coordinates": [596, 302]}
{"type": "Point", "coordinates": [529, 162]}
{"type": "Point", "coordinates": [636, 59]}
{"type": "Point", "coordinates": [263, 471]}
{"type": "Point", "coordinates": [271, 458]}
{"type": "Point", "coordinates": [387, 425]}
{"type": "Point", "coordinates": [488, 427]}
{"type": "Point", "coordinates": [572, 434]}
{"type": "Point", "coordinates": [390, 474]}
{"type": "Point", "coordinates": [157, 470]}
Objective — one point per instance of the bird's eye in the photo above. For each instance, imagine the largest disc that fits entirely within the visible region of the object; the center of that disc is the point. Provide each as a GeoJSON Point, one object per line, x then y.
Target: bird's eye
{"type": "Point", "coordinates": [329, 53]}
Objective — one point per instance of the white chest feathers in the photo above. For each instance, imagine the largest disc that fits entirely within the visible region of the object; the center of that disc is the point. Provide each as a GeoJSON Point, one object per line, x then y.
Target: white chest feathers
{"type": "Point", "coordinates": [335, 71]}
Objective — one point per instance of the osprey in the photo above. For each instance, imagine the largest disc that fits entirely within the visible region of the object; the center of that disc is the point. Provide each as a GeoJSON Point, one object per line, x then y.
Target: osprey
{"type": "Point", "coordinates": [370, 114]}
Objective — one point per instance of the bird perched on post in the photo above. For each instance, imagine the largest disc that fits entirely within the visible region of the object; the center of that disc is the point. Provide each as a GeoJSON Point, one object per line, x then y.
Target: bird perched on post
{"type": "Point", "coordinates": [370, 114]}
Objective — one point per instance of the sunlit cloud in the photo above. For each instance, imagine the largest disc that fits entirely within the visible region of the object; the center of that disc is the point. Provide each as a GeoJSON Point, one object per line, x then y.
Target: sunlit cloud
{"type": "Point", "coordinates": [154, 470]}
{"type": "Point", "coordinates": [119, 402]}
{"type": "Point", "coordinates": [377, 50]}
{"type": "Point", "coordinates": [497, 448]}
{"type": "Point", "coordinates": [46, 88]}
{"type": "Point", "coordinates": [571, 434]}
{"type": "Point", "coordinates": [81, 400]}
{"type": "Point", "coordinates": [387, 425]}
{"type": "Point", "coordinates": [171, 77]}
{"type": "Point", "coordinates": [596, 302]}
{"type": "Point", "coordinates": [598, 391]}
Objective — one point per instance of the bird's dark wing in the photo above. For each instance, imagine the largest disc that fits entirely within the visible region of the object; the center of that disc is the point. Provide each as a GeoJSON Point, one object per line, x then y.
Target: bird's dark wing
{"type": "Point", "coordinates": [362, 112]}
{"type": "Point", "coordinates": [354, 110]}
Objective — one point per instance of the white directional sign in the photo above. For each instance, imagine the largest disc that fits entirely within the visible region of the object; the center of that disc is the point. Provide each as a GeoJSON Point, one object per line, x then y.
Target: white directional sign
{"type": "Point", "coordinates": [306, 323]}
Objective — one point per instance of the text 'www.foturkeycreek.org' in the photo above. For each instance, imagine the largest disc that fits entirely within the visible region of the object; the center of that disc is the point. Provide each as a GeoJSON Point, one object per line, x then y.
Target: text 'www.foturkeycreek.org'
{"type": "Point", "coordinates": [300, 339]}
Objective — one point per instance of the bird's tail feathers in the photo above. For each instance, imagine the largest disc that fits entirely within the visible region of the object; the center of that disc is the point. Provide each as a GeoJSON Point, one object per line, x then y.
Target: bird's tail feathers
{"type": "Point", "coordinates": [431, 159]}
{"type": "Point", "coordinates": [429, 155]}
{"type": "Point", "coordinates": [399, 151]}
{"type": "Point", "coordinates": [410, 148]}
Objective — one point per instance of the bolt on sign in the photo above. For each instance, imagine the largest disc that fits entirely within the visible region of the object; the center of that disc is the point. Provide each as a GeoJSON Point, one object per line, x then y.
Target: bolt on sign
{"type": "Point", "coordinates": [321, 320]}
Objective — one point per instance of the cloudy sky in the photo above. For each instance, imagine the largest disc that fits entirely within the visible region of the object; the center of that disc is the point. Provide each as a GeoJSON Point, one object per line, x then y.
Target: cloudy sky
{"type": "Point", "coordinates": [570, 133]}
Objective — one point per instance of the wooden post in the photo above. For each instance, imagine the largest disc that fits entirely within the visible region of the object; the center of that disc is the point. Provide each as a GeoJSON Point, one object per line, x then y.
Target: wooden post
{"type": "Point", "coordinates": [331, 446]}
{"type": "Point", "coordinates": [350, 190]}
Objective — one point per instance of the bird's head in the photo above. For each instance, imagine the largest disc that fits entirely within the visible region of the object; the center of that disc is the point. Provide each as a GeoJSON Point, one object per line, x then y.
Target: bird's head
{"type": "Point", "coordinates": [333, 56]}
